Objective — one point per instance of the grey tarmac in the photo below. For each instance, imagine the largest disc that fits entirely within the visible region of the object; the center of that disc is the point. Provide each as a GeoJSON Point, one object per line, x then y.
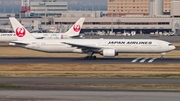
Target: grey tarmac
{"type": "Point", "coordinates": [39, 95]}
{"type": "Point", "coordinates": [81, 60]}
{"type": "Point", "coordinates": [77, 80]}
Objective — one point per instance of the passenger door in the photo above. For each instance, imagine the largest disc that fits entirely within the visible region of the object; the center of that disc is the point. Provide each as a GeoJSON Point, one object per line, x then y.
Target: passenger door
{"type": "Point", "coordinates": [159, 45]}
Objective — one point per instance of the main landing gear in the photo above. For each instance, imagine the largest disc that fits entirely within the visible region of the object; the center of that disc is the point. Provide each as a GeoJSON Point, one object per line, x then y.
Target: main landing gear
{"type": "Point", "coordinates": [162, 55]}
{"type": "Point", "coordinates": [90, 56]}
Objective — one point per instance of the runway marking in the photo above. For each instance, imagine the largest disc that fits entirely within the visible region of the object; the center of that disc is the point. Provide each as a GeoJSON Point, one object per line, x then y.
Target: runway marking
{"type": "Point", "coordinates": [150, 61]}
{"type": "Point", "coordinates": [143, 60]}
{"type": "Point", "coordinates": [135, 60]}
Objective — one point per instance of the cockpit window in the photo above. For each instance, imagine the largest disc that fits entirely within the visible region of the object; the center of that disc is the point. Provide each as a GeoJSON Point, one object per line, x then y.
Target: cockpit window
{"type": "Point", "coordinates": [170, 44]}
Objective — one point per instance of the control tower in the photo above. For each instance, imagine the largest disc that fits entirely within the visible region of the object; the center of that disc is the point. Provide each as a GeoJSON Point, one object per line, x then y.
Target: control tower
{"type": "Point", "coordinates": [25, 6]}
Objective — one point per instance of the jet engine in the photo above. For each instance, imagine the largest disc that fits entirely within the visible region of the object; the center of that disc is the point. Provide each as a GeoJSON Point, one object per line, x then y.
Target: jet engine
{"type": "Point", "coordinates": [109, 53]}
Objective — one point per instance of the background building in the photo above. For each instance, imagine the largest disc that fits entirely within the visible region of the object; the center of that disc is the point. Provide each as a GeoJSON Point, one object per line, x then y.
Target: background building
{"type": "Point", "coordinates": [48, 8]}
{"type": "Point", "coordinates": [155, 7]}
{"type": "Point", "coordinates": [128, 7]}
{"type": "Point", "coordinates": [166, 6]}
{"type": "Point", "coordinates": [139, 7]}
{"type": "Point", "coordinates": [175, 9]}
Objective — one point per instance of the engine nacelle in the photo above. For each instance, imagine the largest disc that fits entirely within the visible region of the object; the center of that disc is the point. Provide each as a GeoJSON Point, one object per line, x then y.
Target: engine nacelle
{"type": "Point", "coordinates": [109, 53]}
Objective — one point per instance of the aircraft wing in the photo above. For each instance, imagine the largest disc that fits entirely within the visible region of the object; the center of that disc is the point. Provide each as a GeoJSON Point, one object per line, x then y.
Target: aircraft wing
{"type": "Point", "coordinates": [18, 43]}
{"type": "Point", "coordinates": [86, 47]}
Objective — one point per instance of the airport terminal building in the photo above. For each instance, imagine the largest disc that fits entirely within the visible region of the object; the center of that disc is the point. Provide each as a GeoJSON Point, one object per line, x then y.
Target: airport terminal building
{"type": "Point", "coordinates": [142, 16]}
{"type": "Point", "coordinates": [139, 24]}
{"type": "Point", "coordinates": [142, 25]}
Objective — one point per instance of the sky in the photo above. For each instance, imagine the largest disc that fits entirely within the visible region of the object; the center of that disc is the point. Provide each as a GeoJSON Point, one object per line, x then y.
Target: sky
{"type": "Point", "coordinates": [14, 5]}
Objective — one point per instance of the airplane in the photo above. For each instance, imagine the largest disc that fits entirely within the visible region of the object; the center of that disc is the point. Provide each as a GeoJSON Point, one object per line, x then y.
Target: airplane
{"type": "Point", "coordinates": [72, 32]}
{"type": "Point", "coordinates": [105, 47]}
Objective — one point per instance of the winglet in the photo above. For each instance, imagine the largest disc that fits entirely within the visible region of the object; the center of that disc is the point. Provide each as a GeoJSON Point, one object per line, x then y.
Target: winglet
{"type": "Point", "coordinates": [20, 31]}
{"type": "Point", "coordinates": [76, 28]}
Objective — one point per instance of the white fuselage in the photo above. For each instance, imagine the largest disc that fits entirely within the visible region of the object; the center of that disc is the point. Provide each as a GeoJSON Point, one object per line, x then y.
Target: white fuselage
{"type": "Point", "coordinates": [7, 37]}
{"type": "Point", "coordinates": [120, 45]}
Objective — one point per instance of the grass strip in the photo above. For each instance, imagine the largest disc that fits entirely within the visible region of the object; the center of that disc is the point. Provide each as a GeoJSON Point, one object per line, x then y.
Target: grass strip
{"type": "Point", "coordinates": [90, 70]}
{"type": "Point", "coordinates": [95, 86]}
{"type": "Point", "coordinates": [137, 86]}
{"type": "Point", "coordinates": [91, 67]}
{"type": "Point", "coordinates": [10, 86]}
{"type": "Point", "coordinates": [87, 75]}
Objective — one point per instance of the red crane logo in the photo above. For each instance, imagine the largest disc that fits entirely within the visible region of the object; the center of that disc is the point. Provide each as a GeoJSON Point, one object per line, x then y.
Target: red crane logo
{"type": "Point", "coordinates": [20, 32]}
{"type": "Point", "coordinates": [77, 28]}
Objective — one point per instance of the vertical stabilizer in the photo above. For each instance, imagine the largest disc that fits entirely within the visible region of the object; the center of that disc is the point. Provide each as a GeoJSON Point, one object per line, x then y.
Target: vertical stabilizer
{"type": "Point", "coordinates": [20, 31]}
{"type": "Point", "coordinates": [76, 28]}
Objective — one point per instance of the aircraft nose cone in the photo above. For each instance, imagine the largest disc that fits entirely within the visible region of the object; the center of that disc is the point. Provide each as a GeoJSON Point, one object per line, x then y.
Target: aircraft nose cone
{"type": "Point", "coordinates": [174, 47]}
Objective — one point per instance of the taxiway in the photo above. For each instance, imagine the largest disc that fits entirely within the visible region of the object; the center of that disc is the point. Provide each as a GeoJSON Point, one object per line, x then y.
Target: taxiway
{"type": "Point", "coordinates": [34, 95]}
{"type": "Point", "coordinates": [61, 80]}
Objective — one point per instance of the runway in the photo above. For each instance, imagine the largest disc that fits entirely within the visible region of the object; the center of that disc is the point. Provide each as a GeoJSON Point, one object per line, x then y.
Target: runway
{"type": "Point", "coordinates": [65, 80]}
{"type": "Point", "coordinates": [56, 60]}
{"type": "Point", "coordinates": [34, 95]}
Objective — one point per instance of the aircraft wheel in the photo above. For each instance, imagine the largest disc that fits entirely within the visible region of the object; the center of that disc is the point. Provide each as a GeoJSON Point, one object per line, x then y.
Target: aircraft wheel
{"type": "Point", "coordinates": [90, 57]}
{"type": "Point", "coordinates": [86, 58]}
{"type": "Point", "coordinates": [94, 57]}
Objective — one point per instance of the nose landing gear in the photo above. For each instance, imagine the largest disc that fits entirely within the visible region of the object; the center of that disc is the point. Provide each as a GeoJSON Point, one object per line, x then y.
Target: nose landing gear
{"type": "Point", "coordinates": [162, 55]}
